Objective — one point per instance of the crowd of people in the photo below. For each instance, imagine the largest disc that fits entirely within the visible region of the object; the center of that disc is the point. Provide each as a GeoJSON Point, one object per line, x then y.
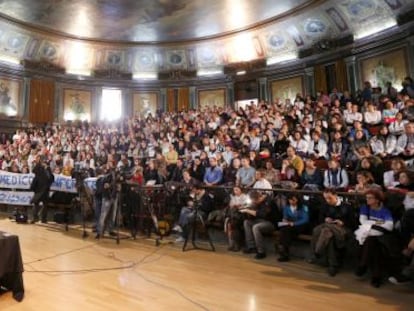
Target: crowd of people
{"type": "Point", "coordinates": [333, 143]}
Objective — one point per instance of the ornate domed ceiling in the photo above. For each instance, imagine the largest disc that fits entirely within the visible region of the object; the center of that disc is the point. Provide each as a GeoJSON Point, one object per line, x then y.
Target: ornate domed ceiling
{"type": "Point", "coordinates": [146, 20]}
{"type": "Point", "coordinates": [152, 36]}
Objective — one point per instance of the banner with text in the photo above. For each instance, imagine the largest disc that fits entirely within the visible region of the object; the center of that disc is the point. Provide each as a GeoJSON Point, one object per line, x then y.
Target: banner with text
{"type": "Point", "coordinates": [15, 198]}
{"type": "Point", "coordinates": [23, 181]}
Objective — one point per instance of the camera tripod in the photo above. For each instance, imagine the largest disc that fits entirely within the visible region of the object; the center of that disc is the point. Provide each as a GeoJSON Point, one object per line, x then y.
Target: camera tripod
{"type": "Point", "coordinates": [79, 199]}
{"type": "Point", "coordinates": [115, 213]}
{"type": "Point", "coordinates": [197, 220]}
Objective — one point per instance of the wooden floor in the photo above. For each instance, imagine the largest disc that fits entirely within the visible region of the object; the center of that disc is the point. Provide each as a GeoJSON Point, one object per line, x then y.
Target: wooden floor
{"type": "Point", "coordinates": [65, 272]}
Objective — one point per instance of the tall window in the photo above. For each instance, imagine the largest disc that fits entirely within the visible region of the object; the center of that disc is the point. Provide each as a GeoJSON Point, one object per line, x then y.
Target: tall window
{"type": "Point", "coordinates": [111, 108]}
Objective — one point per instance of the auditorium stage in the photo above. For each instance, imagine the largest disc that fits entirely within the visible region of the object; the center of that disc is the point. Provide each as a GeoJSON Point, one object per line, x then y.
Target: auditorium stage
{"type": "Point", "coordinates": [65, 272]}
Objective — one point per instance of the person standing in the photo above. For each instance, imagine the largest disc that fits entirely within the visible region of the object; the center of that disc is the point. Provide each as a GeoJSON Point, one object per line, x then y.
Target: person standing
{"type": "Point", "coordinates": [40, 185]}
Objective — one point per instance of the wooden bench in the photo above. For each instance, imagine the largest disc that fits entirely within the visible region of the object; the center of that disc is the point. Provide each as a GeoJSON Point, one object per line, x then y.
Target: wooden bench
{"type": "Point", "coordinates": [301, 237]}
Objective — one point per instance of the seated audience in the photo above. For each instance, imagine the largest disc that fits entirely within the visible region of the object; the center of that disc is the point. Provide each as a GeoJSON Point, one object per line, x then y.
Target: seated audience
{"type": "Point", "coordinates": [391, 176]}
{"type": "Point", "coordinates": [233, 223]}
{"type": "Point", "coordinates": [376, 221]}
{"type": "Point", "coordinates": [329, 238]}
{"type": "Point", "coordinates": [294, 222]}
{"type": "Point", "coordinates": [335, 177]}
{"type": "Point", "coordinates": [311, 178]}
{"type": "Point", "coordinates": [318, 148]}
{"type": "Point", "coordinates": [383, 144]}
{"type": "Point", "coordinates": [257, 223]}
{"type": "Point", "coordinates": [365, 182]}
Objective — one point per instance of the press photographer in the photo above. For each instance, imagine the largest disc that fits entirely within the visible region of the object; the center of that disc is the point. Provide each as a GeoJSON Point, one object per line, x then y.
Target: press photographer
{"type": "Point", "coordinates": [198, 206]}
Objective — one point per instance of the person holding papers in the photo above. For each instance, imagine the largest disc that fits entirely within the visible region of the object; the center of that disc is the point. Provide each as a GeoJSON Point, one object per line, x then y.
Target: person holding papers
{"type": "Point", "coordinates": [295, 220]}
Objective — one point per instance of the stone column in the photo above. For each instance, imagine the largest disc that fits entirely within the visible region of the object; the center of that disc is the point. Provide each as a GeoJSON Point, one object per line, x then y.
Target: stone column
{"type": "Point", "coordinates": [193, 97]}
{"type": "Point", "coordinates": [162, 102]}
{"type": "Point", "coordinates": [127, 104]}
{"type": "Point", "coordinates": [263, 90]}
{"type": "Point", "coordinates": [353, 74]}
{"type": "Point", "coordinates": [230, 94]}
{"type": "Point", "coordinates": [309, 81]}
{"type": "Point", "coordinates": [25, 98]}
{"type": "Point", "coordinates": [410, 57]}
{"type": "Point", "coordinates": [59, 111]}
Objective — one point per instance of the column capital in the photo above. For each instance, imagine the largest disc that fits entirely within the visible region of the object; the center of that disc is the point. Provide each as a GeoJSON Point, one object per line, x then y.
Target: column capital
{"type": "Point", "coordinates": [410, 40]}
{"type": "Point", "coordinates": [350, 60]}
{"type": "Point", "coordinates": [309, 71]}
{"type": "Point", "coordinates": [262, 80]}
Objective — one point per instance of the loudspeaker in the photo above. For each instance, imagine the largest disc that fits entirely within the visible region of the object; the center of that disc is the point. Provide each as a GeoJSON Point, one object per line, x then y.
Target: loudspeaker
{"type": "Point", "coordinates": [21, 218]}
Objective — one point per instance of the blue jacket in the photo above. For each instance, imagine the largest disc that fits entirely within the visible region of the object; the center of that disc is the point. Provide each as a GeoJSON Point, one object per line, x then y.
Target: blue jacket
{"type": "Point", "coordinates": [299, 217]}
{"type": "Point", "coordinates": [213, 175]}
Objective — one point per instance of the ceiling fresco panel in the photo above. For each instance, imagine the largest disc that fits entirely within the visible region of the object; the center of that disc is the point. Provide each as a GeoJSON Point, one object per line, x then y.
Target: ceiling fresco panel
{"type": "Point", "coordinates": [145, 61]}
{"type": "Point", "coordinates": [208, 56]}
{"type": "Point", "coordinates": [337, 19]}
{"type": "Point", "coordinates": [14, 43]}
{"type": "Point", "coordinates": [145, 20]}
{"type": "Point", "coordinates": [176, 59]}
{"type": "Point", "coordinates": [50, 51]}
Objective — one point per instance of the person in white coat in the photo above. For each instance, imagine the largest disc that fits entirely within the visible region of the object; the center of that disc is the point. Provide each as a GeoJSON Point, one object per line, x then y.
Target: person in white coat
{"type": "Point", "coordinates": [317, 148]}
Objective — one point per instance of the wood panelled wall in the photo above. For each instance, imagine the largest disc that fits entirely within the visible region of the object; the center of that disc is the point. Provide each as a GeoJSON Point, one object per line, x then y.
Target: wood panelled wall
{"type": "Point", "coordinates": [340, 75]}
{"type": "Point", "coordinates": [246, 90]}
{"type": "Point", "coordinates": [171, 100]}
{"type": "Point", "coordinates": [178, 99]}
{"type": "Point", "coordinates": [41, 101]}
{"type": "Point", "coordinates": [320, 78]}
{"type": "Point", "coordinates": [183, 99]}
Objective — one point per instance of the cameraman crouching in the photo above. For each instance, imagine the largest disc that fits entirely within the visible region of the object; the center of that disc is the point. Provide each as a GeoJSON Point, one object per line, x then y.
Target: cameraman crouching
{"type": "Point", "coordinates": [199, 202]}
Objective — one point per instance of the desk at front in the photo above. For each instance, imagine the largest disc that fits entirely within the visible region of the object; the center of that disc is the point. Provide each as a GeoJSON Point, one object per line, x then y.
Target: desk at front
{"type": "Point", "coordinates": [11, 265]}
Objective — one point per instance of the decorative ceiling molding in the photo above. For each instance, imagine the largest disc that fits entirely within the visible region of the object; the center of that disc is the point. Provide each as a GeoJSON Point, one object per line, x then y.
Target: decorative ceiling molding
{"type": "Point", "coordinates": [234, 68]}
{"type": "Point", "coordinates": [42, 66]}
{"type": "Point", "coordinates": [111, 73]}
{"type": "Point", "coordinates": [177, 74]}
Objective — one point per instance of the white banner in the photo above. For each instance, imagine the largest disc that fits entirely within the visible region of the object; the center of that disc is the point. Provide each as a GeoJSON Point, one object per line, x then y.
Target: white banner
{"type": "Point", "coordinates": [23, 181]}
{"type": "Point", "coordinates": [15, 181]}
{"type": "Point", "coordinates": [15, 198]}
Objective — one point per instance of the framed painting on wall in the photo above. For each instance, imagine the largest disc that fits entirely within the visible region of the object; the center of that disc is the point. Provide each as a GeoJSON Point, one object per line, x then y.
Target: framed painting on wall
{"type": "Point", "coordinates": [287, 88]}
{"type": "Point", "coordinates": [387, 67]}
{"type": "Point", "coordinates": [145, 103]}
{"type": "Point", "coordinates": [77, 105]}
{"type": "Point", "coordinates": [9, 97]}
{"type": "Point", "coordinates": [211, 99]}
